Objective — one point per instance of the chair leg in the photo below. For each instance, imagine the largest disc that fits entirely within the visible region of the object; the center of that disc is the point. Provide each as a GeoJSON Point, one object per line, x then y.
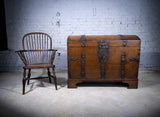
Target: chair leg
{"type": "Point", "coordinates": [54, 77]}
{"type": "Point", "coordinates": [29, 75]}
{"type": "Point", "coordinates": [49, 75]}
{"type": "Point", "coordinates": [24, 81]}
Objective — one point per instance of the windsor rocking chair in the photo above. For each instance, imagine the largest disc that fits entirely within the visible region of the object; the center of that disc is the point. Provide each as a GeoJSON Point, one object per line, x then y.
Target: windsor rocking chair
{"type": "Point", "coordinates": [37, 53]}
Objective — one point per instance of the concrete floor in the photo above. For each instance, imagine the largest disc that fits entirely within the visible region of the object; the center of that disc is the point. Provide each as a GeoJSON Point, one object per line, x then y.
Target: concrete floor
{"type": "Point", "coordinates": [89, 100]}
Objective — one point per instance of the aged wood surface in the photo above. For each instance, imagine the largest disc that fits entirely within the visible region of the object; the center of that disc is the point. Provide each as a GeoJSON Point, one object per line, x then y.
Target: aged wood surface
{"type": "Point", "coordinates": [112, 68]}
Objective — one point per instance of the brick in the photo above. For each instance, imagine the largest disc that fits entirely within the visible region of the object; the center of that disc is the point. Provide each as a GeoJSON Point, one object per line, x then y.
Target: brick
{"type": "Point", "coordinates": [75, 17]}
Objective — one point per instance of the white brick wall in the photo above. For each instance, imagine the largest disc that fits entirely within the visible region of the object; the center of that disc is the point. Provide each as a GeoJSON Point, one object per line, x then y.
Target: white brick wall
{"type": "Point", "coordinates": [60, 18]}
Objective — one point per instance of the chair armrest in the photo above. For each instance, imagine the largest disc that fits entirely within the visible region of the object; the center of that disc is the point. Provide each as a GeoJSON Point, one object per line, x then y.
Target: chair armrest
{"type": "Point", "coordinates": [21, 55]}
{"type": "Point", "coordinates": [34, 50]}
{"type": "Point", "coordinates": [19, 50]}
{"type": "Point", "coordinates": [37, 56]}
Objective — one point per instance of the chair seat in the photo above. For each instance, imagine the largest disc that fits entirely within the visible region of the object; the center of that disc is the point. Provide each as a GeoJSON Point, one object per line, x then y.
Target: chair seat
{"type": "Point", "coordinates": [39, 65]}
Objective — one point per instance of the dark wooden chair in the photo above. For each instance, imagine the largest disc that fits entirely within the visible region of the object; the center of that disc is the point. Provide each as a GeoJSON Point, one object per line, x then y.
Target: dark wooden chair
{"type": "Point", "coordinates": [37, 53]}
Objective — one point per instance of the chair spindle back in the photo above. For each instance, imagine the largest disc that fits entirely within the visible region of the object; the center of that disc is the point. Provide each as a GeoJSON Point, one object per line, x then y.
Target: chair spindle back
{"type": "Point", "coordinates": [36, 41]}
{"type": "Point", "coordinates": [38, 48]}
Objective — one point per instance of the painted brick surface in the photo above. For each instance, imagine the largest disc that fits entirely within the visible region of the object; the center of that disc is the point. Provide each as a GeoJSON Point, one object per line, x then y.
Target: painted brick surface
{"type": "Point", "coordinates": [61, 18]}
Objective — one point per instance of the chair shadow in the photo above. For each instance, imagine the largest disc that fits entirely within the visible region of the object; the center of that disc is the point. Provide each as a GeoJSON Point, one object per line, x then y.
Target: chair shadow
{"type": "Point", "coordinates": [62, 82]}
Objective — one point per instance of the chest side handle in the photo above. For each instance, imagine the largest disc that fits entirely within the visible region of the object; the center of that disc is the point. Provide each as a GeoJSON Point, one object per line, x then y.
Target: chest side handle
{"type": "Point", "coordinates": [134, 59]}
{"type": "Point", "coordinates": [72, 58]}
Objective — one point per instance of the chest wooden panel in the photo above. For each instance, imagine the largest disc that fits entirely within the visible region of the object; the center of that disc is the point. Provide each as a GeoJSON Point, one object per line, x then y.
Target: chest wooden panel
{"type": "Point", "coordinates": [103, 58]}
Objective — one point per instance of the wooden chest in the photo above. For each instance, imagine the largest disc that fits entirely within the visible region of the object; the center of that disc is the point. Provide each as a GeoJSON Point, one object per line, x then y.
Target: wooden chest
{"type": "Point", "coordinates": [112, 58]}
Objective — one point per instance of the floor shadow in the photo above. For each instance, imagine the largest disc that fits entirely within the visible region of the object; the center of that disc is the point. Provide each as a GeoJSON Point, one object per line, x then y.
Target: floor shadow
{"type": "Point", "coordinates": [102, 84]}
{"type": "Point", "coordinates": [7, 110]}
{"type": "Point", "coordinates": [62, 82]}
{"type": "Point", "coordinates": [9, 90]}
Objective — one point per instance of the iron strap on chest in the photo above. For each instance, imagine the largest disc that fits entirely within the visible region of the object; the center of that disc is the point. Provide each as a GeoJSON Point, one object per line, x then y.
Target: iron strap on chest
{"type": "Point", "coordinates": [124, 40]}
{"type": "Point", "coordinates": [123, 57]}
{"type": "Point", "coordinates": [123, 60]}
{"type": "Point", "coordinates": [83, 41]}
